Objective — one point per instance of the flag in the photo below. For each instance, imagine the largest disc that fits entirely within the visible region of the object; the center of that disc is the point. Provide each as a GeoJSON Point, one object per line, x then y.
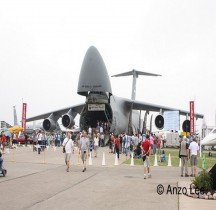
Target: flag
{"type": "Point", "coordinates": [192, 117]}
{"type": "Point", "coordinates": [24, 117]}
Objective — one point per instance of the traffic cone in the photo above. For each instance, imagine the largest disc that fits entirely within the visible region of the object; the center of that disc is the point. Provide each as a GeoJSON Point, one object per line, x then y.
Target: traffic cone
{"type": "Point", "coordinates": [103, 160]}
{"type": "Point", "coordinates": [132, 160]}
{"type": "Point", "coordinates": [90, 159]}
{"type": "Point", "coordinates": [155, 161]}
{"type": "Point", "coordinates": [116, 160]}
{"type": "Point", "coordinates": [169, 161]}
{"type": "Point", "coordinates": [179, 162]}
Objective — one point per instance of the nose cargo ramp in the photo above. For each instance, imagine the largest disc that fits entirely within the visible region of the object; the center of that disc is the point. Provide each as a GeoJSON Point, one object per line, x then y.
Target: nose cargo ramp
{"type": "Point", "coordinates": [93, 75]}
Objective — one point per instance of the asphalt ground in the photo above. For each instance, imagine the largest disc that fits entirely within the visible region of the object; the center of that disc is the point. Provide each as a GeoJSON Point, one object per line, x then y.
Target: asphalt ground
{"type": "Point", "coordinates": [36, 181]}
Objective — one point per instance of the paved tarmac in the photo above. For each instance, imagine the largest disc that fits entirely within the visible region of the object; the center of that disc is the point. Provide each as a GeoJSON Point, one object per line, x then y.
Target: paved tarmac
{"type": "Point", "coordinates": [41, 182]}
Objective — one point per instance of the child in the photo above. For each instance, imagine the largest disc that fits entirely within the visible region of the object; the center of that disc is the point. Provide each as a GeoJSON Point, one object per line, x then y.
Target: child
{"type": "Point", "coordinates": [163, 156]}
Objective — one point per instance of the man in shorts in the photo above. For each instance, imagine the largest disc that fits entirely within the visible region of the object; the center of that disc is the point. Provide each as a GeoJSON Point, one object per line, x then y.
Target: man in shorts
{"type": "Point", "coordinates": [84, 149]}
{"type": "Point", "coordinates": [146, 147]}
{"type": "Point", "coordinates": [68, 144]}
{"type": "Point", "coordinates": [193, 150]}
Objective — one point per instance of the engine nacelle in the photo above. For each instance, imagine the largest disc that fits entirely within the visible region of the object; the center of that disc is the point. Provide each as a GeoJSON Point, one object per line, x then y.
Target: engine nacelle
{"type": "Point", "coordinates": [159, 122]}
{"type": "Point", "coordinates": [68, 121]}
{"type": "Point", "coordinates": [49, 124]}
{"type": "Point", "coordinates": [186, 126]}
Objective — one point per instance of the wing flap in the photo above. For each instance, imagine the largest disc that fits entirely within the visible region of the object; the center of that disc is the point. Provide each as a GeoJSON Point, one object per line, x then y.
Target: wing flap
{"type": "Point", "coordinates": [138, 105]}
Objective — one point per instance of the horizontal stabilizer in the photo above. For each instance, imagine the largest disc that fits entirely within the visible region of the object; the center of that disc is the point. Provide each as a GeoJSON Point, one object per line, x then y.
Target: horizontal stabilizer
{"type": "Point", "coordinates": [135, 72]}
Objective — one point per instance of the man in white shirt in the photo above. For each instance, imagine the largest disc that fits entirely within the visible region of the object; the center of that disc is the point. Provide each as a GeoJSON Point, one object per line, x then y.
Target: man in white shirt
{"type": "Point", "coordinates": [96, 143]}
{"type": "Point", "coordinates": [68, 144]}
{"type": "Point", "coordinates": [15, 139]}
{"type": "Point", "coordinates": [84, 149]}
{"type": "Point", "coordinates": [39, 141]}
{"type": "Point", "coordinates": [90, 130]}
{"type": "Point", "coordinates": [193, 149]}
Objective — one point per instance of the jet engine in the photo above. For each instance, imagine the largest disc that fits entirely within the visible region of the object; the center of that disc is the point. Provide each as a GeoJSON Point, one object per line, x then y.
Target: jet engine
{"type": "Point", "coordinates": [186, 126]}
{"type": "Point", "coordinates": [68, 120]}
{"type": "Point", "coordinates": [159, 122]}
{"type": "Point", "coordinates": [49, 124]}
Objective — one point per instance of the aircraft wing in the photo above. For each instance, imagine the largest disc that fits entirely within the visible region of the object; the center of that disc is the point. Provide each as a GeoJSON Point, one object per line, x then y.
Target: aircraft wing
{"type": "Point", "coordinates": [75, 109]}
{"type": "Point", "coordinates": [138, 105]}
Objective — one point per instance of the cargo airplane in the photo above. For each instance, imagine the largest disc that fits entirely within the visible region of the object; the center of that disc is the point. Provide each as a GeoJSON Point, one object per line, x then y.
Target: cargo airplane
{"type": "Point", "coordinates": [122, 115]}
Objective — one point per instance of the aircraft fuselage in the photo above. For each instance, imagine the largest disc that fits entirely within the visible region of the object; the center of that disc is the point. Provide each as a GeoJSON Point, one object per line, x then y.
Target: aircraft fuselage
{"type": "Point", "coordinates": [101, 107]}
{"type": "Point", "coordinates": [210, 139]}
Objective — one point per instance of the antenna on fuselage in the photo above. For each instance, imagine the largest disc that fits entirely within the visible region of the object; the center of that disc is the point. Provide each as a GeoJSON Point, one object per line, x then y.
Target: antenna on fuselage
{"type": "Point", "coordinates": [135, 74]}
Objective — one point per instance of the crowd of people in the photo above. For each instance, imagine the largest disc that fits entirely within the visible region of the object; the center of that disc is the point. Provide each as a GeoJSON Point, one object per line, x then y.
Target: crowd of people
{"type": "Point", "coordinates": [132, 143]}
{"type": "Point", "coordinates": [140, 145]}
{"type": "Point", "coordinates": [95, 138]}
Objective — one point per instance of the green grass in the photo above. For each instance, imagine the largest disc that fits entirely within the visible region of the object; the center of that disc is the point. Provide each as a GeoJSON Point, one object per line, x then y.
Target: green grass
{"type": "Point", "coordinates": [174, 154]}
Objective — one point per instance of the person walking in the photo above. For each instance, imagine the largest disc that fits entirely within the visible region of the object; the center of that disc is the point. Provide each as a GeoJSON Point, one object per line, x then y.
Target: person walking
{"type": "Point", "coordinates": [14, 138]}
{"type": "Point", "coordinates": [39, 141]}
{"type": "Point", "coordinates": [193, 150]}
{"type": "Point", "coordinates": [3, 139]}
{"type": "Point", "coordinates": [158, 146]}
{"type": "Point", "coordinates": [151, 140]}
{"type": "Point", "coordinates": [184, 156]}
{"type": "Point", "coordinates": [34, 139]}
{"type": "Point", "coordinates": [117, 145]}
{"type": "Point", "coordinates": [84, 149]}
{"type": "Point", "coordinates": [96, 143]}
{"type": "Point", "coordinates": [102, 139]}
{"type": "Point", "coordinates": [146, 147]}
{"type": "Point", "coordinates": [90, 131]}
{"type": "Point", "coordinates": [127, 144]}
{"type": "Point", "coordinates": [155, 144]}
{"type": "Point", "coordinates": [68, 144]}
{"type": "Point", "coordinates": [26, 139]}
{"type": "Point", "coordinates": [110, 144]}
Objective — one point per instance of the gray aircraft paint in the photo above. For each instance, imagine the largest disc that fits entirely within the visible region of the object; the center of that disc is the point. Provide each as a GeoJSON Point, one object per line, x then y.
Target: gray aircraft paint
{"type": "Point", "coordinates": [93, 75]}
{"type": "Point", "coordinates": [94, 84]}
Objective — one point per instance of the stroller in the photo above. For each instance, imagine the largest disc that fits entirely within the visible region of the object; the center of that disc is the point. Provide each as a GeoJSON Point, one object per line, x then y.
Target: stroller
{"type": "Point", "coordinates": [3, 171]}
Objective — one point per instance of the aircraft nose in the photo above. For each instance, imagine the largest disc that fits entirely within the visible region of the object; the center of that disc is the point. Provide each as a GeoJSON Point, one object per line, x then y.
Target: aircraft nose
{"type": "Point", "coordinates": [206, 140]}
{"type": "Point", "coordinates": [93, 75]}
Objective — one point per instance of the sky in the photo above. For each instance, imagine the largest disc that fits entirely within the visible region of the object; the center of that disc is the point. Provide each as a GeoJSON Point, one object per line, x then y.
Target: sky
{"type": "Point", "coordinates": [43, 43]}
